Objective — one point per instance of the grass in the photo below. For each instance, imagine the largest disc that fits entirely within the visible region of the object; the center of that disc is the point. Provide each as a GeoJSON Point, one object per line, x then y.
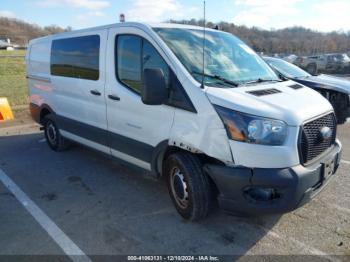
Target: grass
{"type": "Point", "coordinates": [14, 52]}
{"type": "Point", "coordinates": [13, 83]}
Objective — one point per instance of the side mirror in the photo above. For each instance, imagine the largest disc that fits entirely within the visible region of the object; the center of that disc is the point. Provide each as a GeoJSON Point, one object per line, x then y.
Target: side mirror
{"type": "Point", "coordinates": [154, 90]}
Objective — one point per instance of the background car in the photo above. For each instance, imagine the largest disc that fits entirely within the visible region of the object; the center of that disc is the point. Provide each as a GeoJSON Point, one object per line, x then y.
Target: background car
{"type": "Point", "coordinates": [330, 63]}
{"type": "Point", "coordinates": [4, 43]}
{"type": "Point", "coordinates": [290, 58]}
{"type": "Point", "coordinates": [335, 89]}
{"type": "Point", "coordinates": [343, 60]}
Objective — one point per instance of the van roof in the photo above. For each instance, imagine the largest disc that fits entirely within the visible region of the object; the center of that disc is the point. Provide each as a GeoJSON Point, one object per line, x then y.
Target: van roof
{"type": "Point", "coordinates": [125, 24]}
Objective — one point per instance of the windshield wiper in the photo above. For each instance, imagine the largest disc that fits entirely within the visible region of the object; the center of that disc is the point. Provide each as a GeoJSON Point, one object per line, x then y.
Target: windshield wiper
{"type": "Point", "coordinates": [227, 81]}
{"type": "Point", "coordinates": [260, 80]}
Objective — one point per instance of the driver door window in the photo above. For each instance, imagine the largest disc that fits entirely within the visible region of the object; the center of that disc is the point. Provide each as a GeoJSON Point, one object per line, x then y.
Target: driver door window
{"type": "Point", "coordinates": [134, 54]}
{"type": "Point", "coordinates": [151, 60]}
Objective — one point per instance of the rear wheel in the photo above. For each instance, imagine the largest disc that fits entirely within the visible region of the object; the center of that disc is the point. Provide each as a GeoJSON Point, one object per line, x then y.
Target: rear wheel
{"type": "Point", "coordinates": [188, 186]}
{"type": "Point", "coordinates": [53, 136]}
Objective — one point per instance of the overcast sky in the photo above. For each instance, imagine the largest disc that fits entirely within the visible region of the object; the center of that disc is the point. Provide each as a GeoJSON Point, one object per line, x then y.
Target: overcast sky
{"type": "Point", "coordinates": [321, 15]}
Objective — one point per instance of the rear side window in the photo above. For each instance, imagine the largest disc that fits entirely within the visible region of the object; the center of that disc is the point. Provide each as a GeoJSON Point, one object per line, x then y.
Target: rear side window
{"type": "Point", "coordinates": [39, 58]}
{"type": "Point", "coordinates": [76, 57]}
{"type": "Point", "coordinates": [134, 54]}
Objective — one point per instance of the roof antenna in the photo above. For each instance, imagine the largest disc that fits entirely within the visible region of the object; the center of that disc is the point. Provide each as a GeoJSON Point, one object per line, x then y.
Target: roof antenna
{"type": "Point", "coordinates": [203, 62]}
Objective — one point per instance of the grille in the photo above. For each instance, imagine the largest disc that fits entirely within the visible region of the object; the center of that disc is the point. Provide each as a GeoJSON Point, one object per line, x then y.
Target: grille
{"type": "Point", "coordinates": [311, 143]}
{"type": "Point", "coordinates": [264, 92]}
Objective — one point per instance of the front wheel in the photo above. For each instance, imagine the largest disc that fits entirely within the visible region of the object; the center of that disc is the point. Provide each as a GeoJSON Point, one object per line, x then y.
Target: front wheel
{"type": "Point", "coordinates": [53, 136]}
{"type": "Point", "coordinates": [188, 186]}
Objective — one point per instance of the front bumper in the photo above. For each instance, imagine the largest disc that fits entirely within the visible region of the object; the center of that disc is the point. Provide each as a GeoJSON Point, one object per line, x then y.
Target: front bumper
{"type": "Point", "coordinates": [261, 191]}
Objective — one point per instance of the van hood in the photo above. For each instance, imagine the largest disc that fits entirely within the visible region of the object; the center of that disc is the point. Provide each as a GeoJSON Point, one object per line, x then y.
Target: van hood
{"type": "Point", "coordinates": [326, 82]}
{"type": "Point", "coordinates": [293, 106]}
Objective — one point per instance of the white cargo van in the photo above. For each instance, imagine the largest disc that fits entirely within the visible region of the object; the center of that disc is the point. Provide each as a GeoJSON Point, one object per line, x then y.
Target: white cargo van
{"type": "Point", "coordinates": [236, 133]}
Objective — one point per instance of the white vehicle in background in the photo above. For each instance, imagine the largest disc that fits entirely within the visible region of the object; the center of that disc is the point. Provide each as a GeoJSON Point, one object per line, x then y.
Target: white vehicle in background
{"type": "Point", "coordinates": [290, 58]}
{"type": "Point", "coordinates": [231, 130]}
{"type": "Point", "coordinates": [5, 43]}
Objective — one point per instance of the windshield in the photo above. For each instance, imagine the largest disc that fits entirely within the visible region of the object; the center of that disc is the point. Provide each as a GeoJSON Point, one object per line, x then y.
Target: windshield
{"type": "Point", "coordinates": [343, 57]}
{"type": "Point", "coordinates": [225, 56]}
{"type": "Point", "coordinates": [287, 69]}
{"type": "Point", "coordinates": [346, 58]}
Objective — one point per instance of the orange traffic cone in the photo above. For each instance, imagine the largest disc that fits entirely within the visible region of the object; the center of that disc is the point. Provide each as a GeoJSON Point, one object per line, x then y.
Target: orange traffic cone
{"type": "Point", "coordinates": [5, 110]}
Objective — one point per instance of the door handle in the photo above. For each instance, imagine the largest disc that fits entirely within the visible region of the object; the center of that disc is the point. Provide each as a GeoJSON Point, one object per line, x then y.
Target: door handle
{"type": "Point", "coordinates": [95, 92]}
{"type": "Point", "coordinates": [114, 97]}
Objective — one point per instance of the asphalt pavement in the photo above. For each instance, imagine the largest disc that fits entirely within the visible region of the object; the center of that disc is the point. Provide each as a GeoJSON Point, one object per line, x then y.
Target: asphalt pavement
{"type": "Point", "coordinates": [80, 202]}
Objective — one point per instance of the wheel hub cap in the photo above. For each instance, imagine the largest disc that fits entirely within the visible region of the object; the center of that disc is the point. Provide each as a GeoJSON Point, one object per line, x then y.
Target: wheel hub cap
{"type": "Point", "coordinates": [51, 133]}
{"type": "Point", "coordinates": [179, 188]}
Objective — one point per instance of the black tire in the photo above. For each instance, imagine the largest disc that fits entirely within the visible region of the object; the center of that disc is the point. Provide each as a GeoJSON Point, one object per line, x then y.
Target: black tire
{"type": "Point", "coordinates": [184, 173]}
{"type": "Point", "coordinates": [53, 136]}
{"type": "Point", "coordinates": [312, 69]}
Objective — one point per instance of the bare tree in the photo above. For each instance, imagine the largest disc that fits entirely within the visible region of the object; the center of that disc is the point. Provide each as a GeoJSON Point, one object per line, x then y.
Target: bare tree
{"type": "Point", "coordinates": [21, 32]}
{"type": "Point", "coordinates": [297, 40]}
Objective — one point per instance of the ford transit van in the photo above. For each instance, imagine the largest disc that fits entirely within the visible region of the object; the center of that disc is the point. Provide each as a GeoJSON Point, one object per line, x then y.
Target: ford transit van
{"type": "Point", "coordinates": [229, 131]}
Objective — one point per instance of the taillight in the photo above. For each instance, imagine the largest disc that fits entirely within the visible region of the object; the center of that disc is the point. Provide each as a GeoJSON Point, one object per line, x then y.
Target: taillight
{"type": "Point", "coordinates": [1, 117]}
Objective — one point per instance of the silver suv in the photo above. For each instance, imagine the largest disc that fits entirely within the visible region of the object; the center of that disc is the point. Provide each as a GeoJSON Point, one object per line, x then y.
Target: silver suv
{"type": "Point", "coordinates": [328, 63]}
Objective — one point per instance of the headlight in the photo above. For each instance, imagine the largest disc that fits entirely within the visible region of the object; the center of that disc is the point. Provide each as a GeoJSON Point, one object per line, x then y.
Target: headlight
{"type": "Point", "coordinates": [252, 129]}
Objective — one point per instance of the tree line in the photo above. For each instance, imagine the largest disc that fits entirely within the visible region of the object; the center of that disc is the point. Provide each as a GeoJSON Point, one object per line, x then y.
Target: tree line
{"type": "Point", "coordinates": [20, 32]}
{"type": "Point", "coordinates": [294, 40]}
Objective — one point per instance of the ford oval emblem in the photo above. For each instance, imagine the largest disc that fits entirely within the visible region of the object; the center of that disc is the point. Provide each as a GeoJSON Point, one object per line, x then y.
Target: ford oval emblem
{"type": "Point", "coordinates": [326, 132]}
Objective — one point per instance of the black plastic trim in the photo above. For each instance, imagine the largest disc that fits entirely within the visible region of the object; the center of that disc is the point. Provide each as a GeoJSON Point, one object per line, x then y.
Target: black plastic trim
{"type": "Point", "coordinates": [158, 156]}
{"type": "Point", "coordinates": [316, 159]}
{"type": "Point", "coordinates": [178, 97]}
{"type": "Point", "coordinates": [104, 137]}
{"type": "Point", "coordinates": [295, 185]}
{"type": "Point", "coordinates": [35, 111]}
{"type": "Point", "coordinates": [131, 147]}
{"type": "Point", "coordinates": [296, 86]}
{"type": "Point", "coordinates": [264, 92]}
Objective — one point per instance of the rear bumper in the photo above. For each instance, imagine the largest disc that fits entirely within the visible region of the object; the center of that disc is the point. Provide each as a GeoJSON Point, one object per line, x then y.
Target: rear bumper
{"type": "Point", "coordinates": [35, 112]}
{"type": "Point", "coordinates": [261, 191]}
